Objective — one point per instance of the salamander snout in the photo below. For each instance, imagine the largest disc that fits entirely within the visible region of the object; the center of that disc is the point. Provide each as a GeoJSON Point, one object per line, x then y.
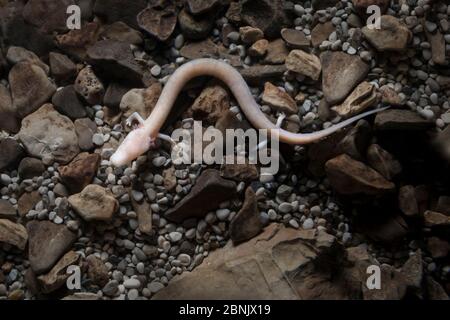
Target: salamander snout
{"type": "Point", "coordinates": [135, 144]}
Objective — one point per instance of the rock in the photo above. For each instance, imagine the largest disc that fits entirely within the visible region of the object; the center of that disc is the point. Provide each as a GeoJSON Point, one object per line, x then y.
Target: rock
{"type": "Point", "coordinates": [412, 271]}
{"type": "Point", "coordinates": [382, 161]}
{"type": "Point", "coordinates": [389, 96]}
{"type": "Point", "coordinates": [7, 210]}
{"type": "Point", "coordinates": [438, 248]}
{"type": "Point", "coordinates": [443, 205]}
{"type": "Point", "coordinates": [94, 203]}
{"type": "Point", "coordinates": [114, 10]}
{"type": "Point", "coordinates": [435, 290]}
{"type": "Point", "coordinates": [8, 117]}
{"type": "Point", "coordinates": [281, 263]}
{"type": "Point", "coordinates": [80, 172]}
{"type": "Point", "coordinates": [256, 74]}
{"type": "Point", "coordinates": [46, 134]}
{"type": "Point", "coordinates": [30, 168]}
{"type": "Point", "coordinates": [11, 153]}
{"type": "Point", "coordinates": [144, 216]}
{"type": "Point", "coordinates": [441, 142]}
{"type": "Point", "coordinates": [436, 219]}
{"type": "Point", "coordinates": [393, 35]}
{"type": "Point", "coordinates": [114, 95]}
{"type": "Point", "coordinates": [30, 88]}
{"type": "Point", "coordinates": [279, 99]}
{"type": "Point", "coordinates": [240, 172]}
{"type": "Point", "coordinates": [350, 177]}
{"type": "Point", "coordinates": [47, 243]}
{"type": "Point", "coordinates": [356, 142]}
{"type": "Point", "coordinates": [401, 120]}
{"type": "Point", "coordinates": [13, 233]}
{"type": "Point", "coordinates": [67, 103]}
{"type": "Point", "coordinates": [362, 5]}
{"type": "Point", "coordinates": [115, 59]}
{"type": "Point", "coordinates": [194, 28]}
{"type": "Point", "coordinates": [47, 15]}
{"type": "Point", "coordinates": [170, 180]}
{"type": "Point", "coordinates": [295, 39]}
{"type": "Point", "coordinates": [88, 86]}
{"type": "Point", "coordinates": [19, 54]}
{"type": "Point", "coordinates": [341, 73]}
{"type": "Point", "coordinates": [97, 271]}
{"type": "Point", "coordinates": [141, 101]}
{"type": "Point", "coordinates": [82, 296]}
{"type": "Point", "coordinates": [28, 201]}
{"type": "Point", "coordinates": [85, 129]}
{"type": "Point", "coordinates": [197, 7]}
{"type": "Point", "coordinates": [304, 63]}
{"type": "Point", "coordinates": [209, 185]}
{"type": "Point", "coordinates": [211, 104]}
{"type": "Point", "coordinates": [276, 52]}
{"type": "Point", "coordinates": [77, 41]}
{"type": "Point", "coordinates": [321, 32]}
{"type": "Point", "coordinates": [250, 35]}
{"type": "Point", "coordinates": [437, 43]}
{"type": "Point", "coordinates": [363, 97]}
{"type": "Point", "coordinates": [259, 48]}
{"type": "Point", "coordinates": [323, 4]}
{"type": "Point", "coordinates": [246, 224]}
{"type": "Point", "coordinates": [160, 23]}
{"type": "Point", "coordinates": [200, 49]}
{"type": "Point", "coordinates": [266, 15]}
{"type": "Point", "coordinates": [391, 230]}
{"type": "Point", "coordinates": [62, 68]}
{"type": "Point", "coordinates": [407, 201]}
{"type": "Point", "coordinates": [58, 275]}
{"type": "Point", "coordinates": [119, 31]}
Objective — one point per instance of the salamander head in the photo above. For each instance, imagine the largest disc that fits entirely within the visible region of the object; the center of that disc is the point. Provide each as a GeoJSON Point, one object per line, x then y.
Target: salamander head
{"type": "Point", "coordinates": [135, 144]}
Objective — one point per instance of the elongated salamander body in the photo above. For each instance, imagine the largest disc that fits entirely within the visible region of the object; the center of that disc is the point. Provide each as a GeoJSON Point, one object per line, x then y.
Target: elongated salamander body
{"type": "Point", "coordinates": [141, 139]}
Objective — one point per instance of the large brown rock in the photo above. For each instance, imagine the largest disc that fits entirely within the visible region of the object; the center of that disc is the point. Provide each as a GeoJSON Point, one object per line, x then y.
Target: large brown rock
{"type": "Point", "coordinates": [80, 172]}
{"type": "Point", "coordinates": [47, 15]}
{"type": "Point", "coordinates": [94, 203]}
{"type": "Point", "coordinates": [46, 134]}
{"type": "Point", "coordinates": [341, 73]}
{"type": "Point", "coordinates": [58, 275]}
{"type": "Point", "coordinates": [348, 176]}
{"type": "Point", "coordinates": [279, 99]}
{"type": "Point", "coordinates": [256, 74]}
{"type": "Point", "coordinates": [115, 10]}
{"type": "Point", "coordinates": [77, 41]}
{"type": "Point", "coordinates": [211, 104]}
{"type": "Point", "coordinates": [384, 162]}
{"type": "Point", "coordinates": [13, 233]}
{"type": "Point", "coordinates": [30, 88]}
{"type": "Point", "coordinates": [48, 242]}
{"type": "Point", "coordinates": [397, 119]}
{"type": "Point", "coordinates": [8, 117]}
{"type": "Point", "coordinates": [393, 35]}
{"type": "Point", "coordinates": [160, 23]}
{"type": "Point", "coordinates": [363, 97]}
{"type": "Point", "coordinates": [209, 185]}
{"type": "Point", "coordinates": [304, 63]}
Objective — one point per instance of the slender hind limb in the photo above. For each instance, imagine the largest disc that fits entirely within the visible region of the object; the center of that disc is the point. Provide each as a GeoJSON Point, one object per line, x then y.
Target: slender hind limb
{"type": "Point", "coordinates": [135, 118]}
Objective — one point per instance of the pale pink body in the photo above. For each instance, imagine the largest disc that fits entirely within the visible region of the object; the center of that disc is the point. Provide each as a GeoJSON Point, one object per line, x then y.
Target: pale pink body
{"type": "Point", "coordinates": [142, 138]}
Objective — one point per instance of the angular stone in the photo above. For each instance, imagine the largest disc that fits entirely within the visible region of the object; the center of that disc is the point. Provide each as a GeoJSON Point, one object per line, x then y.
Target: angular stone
{"type": "Point", "coordinates": [250, 35]}
{"type": "Point", "coordinates": [144, 215]}
{"type": "Point", "coordinates": [341, 73]}
{"type": "Point", "coordinates": [195, 28]}
{"type": "Point", "coordinates": [356, 142]}
{"type": "Point", "coordinates": [211, 104]}
{"type": "Point", "coordinates": [114, 10]}
{"type": "Point", "coordinates": [8, 118]}
{"type": "Point", "coordinates": [28, 201]}
{"type": "Point", "coordinates": [436, 219]}
{"type": "Point", "coordinates": [160, 23]}
{"type": "Point", "coordinates": [89, 86]}
{"type": "Point", "coordinates": [13, 233]}
{"type": "Point", "coordinates": [363, 97]}
{"type": "Point", "coordinates": [389, 96]}
{"type": "Point", "coordinates": [258, 74]}
{"type": "Point", "coordinates": [62, 68]}
{"type": "Point", "coordinates": [239, 172]}
{"type": "Point", "coordinates": [85, 129]}
{"type": "Point", "coordinates": [47, 134]}
{"type": "Point", "coordinates": [30, 88]}
{"type": "Point", "coordinates": [141, 101]}
{"type": "Point", "coordinates": [394, 229]}
{"type": "Point", "coordinates": [276, 52]}
{"type": "Point", "coordinates": [114, 95]}
{"type": "Point", "coordinates": [438, 248]}
{"type": "Point", "coordinates": [396, 119]}
{"type": "Point", "coordinates": [393, 35]}
{"type": "Point", "coordinates": [7, 210]}
{"type": "Point", "coordinates": [295, 38]}
{"type": "Point", "coordinates": [383, 162]}
{"type": "Point", "coordinates": [259, 48]}
{"type": "Point", "coordinates": [437, 43]}
{"type": "Point", "coordinates": [321, 32]}
{"type": "Point", "coordinates": [304, 63]}
{"type": "Point", "coordinates": [350, 177]}
{"type": "Point", "coordinates": [197, 7]}
{"type": "Point", "coordinates": [47, 243]}
{"type": "Point", "coordinates": [435, 290]}
{"type": "Point", "coordinates": [267, 15]}
{"type": "Point", "coordinates": [94, 203]}
{"type": "Point", "coordinates": [407, 201]}
{"type": "Point", "coordinates": [30, 168]}
{"type": "Point", "coordinates": [246, 224]}
{"type": "Point", "coordinates": [97, 271]}
{"type": "Point", "coordinates": [200, 49]}
{"type": "Point", "coordinates": [67, 103]}
{"type": "Point", "coordinates": [19, 54]}
{"type": "Point", "coordinates": [47, 15]}
{"type": "Point", "coordinates": [80, 172]}
{"type": "Point", "coordinates": [119, 31]}
{"type": "Point", "coordinates": [58, 275]}
{"type": "Point", "coordinates": [279, 99]}
{"type": "Point", "coordinates": [443, 205]}
{"type": "Point", "coordinates": [210, 185]}
{"type": "Point", "coordinates": [76, 42]}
